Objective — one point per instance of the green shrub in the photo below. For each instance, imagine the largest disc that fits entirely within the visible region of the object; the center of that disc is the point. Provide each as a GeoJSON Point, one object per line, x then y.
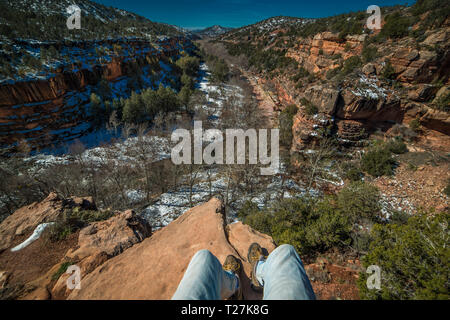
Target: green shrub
{"type": "Point", "coordinates": [369, 53]}
{"type": "Point", "coordinates": [73, 220]}
{"type": "Point", "coordinates": [396, 26]}
{"type": "Point", "coordinates": [422, 6]}
{"type": "Point", "coordinates": [442, 103]}
{"type": "Point", "coordinates": [354, 174]}
{"type": "Point", "coordinates": [220, 71]}
{"type": "Point", "coordinates": [378, 162]}
{"type": "Point", "coordinates": [62, 269]}
{"type": "Point", "coordinates": [388, 71]}
{"type": "Point", "coordinates": [336, 56]}
{"type": "Point", "coordinates": [351, 64]}
{"type": "Point", "coordinates": [399, 217]}
{"type": "Point", "coordinates": [289, 220]}
{"type": "Point", "coordinates": [413, 258]}
{"type": "Point", "coordinates": [360, 202]}
{"type": "Point", "coordinates": [412, 167]}
{"type": "Point", "coordinates": [249, 208]}
{"type": "Point", "coordinates": [134, 109]}
{"type": "Point", "coordinates": [415, 125]}
{"type": "Point", "coordinates": [259, 220]}
{"type": "Point", "coordinates": [397, 146]}
{"type": "Point", "coordinates": [140, 107]}
{"type": "Point", "coordinates": [302, 73]}
{"type": "Point", "coordinates": [329, 228]}
{"type": "Point", "coordinates": [188, 81]}
{"type": "Point", "coordinates": [310, 109]}
{"type": "Point", "coordinates": [361, 240]}
{"type": "Point", "coordinates": [333, 73]}
{"type": "Point", "coordinates": [314, 226]}
{"type": "Point", "coordinates": [189, 65]}
{"type": "Point", "coordinates": [437, 12]}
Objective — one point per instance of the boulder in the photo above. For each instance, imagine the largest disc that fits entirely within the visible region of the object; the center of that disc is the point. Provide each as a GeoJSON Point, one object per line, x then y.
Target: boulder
{"type": "Point", "coordinates": [436, 120]}
{"type": "Point", "coordinates": [101, 241]}
{"type": "Point", "coordinates": [25, 220]}
{"type": "Point", "coordinates": [369, 69]}
{"type": "Point", "coordinates": [112, 236]}
{"type": "Point", "coordinates": [438, 37]}
{"type": "Point", "coordinates": [443, 92]}
{"type": "Point", "coordinates": [325, 98]}
{"type": "Point", "coordinates": [369, 105]}
{"type": "Point", "coordinates": [153, 268]}
{"type": "Point", "coordinates": [423, 92]}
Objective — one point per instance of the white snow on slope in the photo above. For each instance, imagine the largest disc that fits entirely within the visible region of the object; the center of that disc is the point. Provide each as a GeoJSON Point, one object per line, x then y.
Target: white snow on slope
{"type": "Point", "coordinates": [35, 236]}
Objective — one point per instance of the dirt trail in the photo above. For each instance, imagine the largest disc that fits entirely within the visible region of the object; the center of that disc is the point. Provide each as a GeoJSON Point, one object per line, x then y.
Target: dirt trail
{"type": "Point", "coordinates": [265, 102]}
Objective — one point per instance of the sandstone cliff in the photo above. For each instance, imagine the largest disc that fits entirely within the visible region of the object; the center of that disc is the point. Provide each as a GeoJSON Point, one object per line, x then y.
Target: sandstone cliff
{"type": "Point", "coordinates": [362, 104]}
{"type": "Point", "coordinates": [360, 83]}
{"type": "Point", "coordinates": [44, 112]}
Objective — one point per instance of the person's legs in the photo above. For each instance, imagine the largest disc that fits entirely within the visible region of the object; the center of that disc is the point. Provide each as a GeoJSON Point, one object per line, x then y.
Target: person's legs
{"type": "Point", "coordinates": [283, 276]}
{"type": "Point", "coordinates": [205, 279]}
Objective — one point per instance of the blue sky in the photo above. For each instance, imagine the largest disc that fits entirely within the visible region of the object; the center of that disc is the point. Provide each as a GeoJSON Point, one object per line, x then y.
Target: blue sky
{"type": "Point", "coordinates": [194, 14]}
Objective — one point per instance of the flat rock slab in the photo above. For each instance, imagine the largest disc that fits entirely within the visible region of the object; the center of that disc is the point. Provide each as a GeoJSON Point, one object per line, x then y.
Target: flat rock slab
{"type": "Point", "coordinates": [152, 269]}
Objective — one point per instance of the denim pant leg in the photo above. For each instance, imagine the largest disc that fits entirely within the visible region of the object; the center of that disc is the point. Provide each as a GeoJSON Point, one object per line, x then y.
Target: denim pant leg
{"type": "Point", "coordinates": [284, 276]}
{"type": "Point", "coordinates": [205, 279]}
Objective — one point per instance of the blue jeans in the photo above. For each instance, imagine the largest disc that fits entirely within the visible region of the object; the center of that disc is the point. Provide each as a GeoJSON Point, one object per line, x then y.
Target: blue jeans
{"type": "Point", "coordinates": [282, 274]}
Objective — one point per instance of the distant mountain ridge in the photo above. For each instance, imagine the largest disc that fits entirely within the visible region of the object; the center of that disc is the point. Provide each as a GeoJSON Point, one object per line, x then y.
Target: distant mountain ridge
{"type": "Point", "coordinates": [212, 31]}
{"type": "Point", "coordinates": [269, 25]}
{"type": "Point", "coordinates": [46, 20]}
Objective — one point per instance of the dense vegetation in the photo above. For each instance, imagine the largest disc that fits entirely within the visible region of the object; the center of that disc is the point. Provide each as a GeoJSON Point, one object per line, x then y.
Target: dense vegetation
{"type": "Point", "coordinates": [261, 59]}
{"type": "Point", "coordinates": [141, 107]}
{"type": "Point", "coordinates": [217, 66]}
{"type": "Point", "coordinates": [145, 104]}
{"type": "Point", "coordinates": [413, 257]}
{"type": "Point", "coordinates": [48, 22]}
{"type": "Point", "coordinates": [378, 160]}
{"type": "Point", "coordinates": [314, 226]}
{"type": "Point", "coordinates": [411, 251]}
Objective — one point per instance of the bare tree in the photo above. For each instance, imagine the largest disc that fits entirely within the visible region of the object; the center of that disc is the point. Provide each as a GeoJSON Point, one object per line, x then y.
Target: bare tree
{"type": "Point", "coordinates": [325, 150]}
{"type": "Point", "coordinates": [113, 122]}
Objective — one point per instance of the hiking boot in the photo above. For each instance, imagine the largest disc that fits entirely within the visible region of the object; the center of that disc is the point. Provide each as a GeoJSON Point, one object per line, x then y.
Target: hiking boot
{"type": "Point", "coordinates": [255, 254]}
{"type": "Point", "coordinates": [232, 264]}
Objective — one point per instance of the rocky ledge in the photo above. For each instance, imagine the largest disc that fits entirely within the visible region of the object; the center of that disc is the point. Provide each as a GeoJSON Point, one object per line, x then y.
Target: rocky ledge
{"type": "Point", "coordinates": [120, 258]}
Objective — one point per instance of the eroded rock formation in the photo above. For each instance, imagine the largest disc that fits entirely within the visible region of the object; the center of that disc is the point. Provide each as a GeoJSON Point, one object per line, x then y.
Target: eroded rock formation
{"type": "Point", "coordinates": [26, 219]}
{"type": "Point", "coordinates": [48, 111]}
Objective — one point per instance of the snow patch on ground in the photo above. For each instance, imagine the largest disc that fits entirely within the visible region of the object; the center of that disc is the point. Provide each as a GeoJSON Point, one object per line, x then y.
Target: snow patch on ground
{"type": "Point", "coordinates": [369, 88]}
{"type": "Point", "coordinates": [35, 236]}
